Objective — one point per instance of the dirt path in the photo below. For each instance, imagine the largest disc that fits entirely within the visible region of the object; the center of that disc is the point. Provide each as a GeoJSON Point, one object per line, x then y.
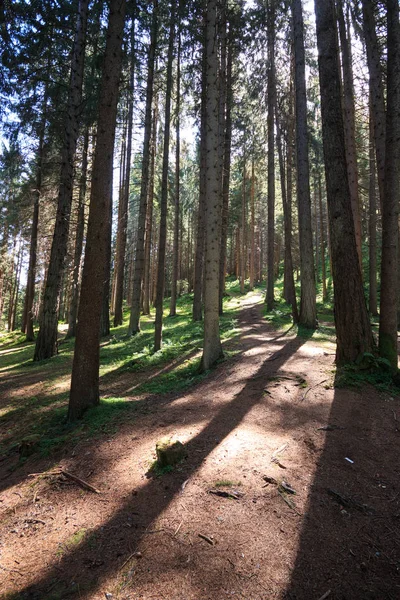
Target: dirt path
{"type": "Point", "coordinates": [258, 414]}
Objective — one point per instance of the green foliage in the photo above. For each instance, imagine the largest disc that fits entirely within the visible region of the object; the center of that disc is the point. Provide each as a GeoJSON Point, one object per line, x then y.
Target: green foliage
{"type": "Point", "coordinates": [173, 368]}
{"type": "Point", "coordinates": [370, 369]}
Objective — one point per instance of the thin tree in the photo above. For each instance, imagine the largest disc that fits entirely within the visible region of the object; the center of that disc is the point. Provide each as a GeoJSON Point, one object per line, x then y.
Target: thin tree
{"type": "Point", "coordinates": [164, 188]}
{"type": "Point", "coordinates": [271, 93]}
{"type": "Point", "coordinates": [177, 210]}
{"type": "Point", "coordinates": [123, 206]}
{"type": "Point", "coordinates": [84, 391]}
{"type": "Point", "coordinates": [308, 309]}
{"type": "Point", "coordinates": [134, 321]}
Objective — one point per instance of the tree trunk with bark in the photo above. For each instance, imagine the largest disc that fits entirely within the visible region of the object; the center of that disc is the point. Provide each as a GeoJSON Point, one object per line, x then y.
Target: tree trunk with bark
{"type": "Point", "coordinates": [164, 189]}
{"type": "Point", "coordinates": [308, 309]}
{"type": "Point", "coordinates": [27, 319]}
{"type": "Point", "coordinates": [46, 343]}
{"type": "Point", "coordinates": [176, 244]}
{"type": "Point", "coordinates": [271, 93]}
{"type": "Point", "coordinates": [390, 205]}
{"type": "Point", "coordinates": [353, 329]}
{"type": "Point", "coordinates": [123, 207]}
{"type": "Point", "coordinates": [372, 223]}
{"type": "Point", "coordinates": [149, 216]}
{"type": "Point", "coordinates": [84, 391]}
{"type": "Point", "coordinates": [350, 124]}
{"type": "Point", "coordinates": [212, 348]}
{"type": "Point", "coordinates": [80, 228]}
{"type": "Point", "coordinates": [134, 321]}
{"type": "Point", "coordinates": [198, 283]}
{"type": "Point", "coordinates": [376, 87]}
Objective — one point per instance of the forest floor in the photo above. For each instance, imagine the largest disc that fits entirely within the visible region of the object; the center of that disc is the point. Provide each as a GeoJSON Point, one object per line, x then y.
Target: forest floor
{"type": "Point", "coordinates": [268, 419]}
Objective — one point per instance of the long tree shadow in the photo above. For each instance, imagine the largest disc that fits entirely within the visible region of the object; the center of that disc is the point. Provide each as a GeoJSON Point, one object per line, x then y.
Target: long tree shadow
{"type": "Point", "coordinates": [349, 546]}
{"type": "Point", "coordinates": [152, 499]}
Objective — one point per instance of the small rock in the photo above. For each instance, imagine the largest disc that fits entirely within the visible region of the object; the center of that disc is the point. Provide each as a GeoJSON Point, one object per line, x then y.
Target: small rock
{"type": "Point", "coordinates": [108, 596]}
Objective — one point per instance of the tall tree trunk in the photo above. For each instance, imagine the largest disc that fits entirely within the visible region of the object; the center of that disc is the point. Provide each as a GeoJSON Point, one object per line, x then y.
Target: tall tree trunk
{"type": "Point", "coordinates": [373, 292]}
{"type": "Point", "coordinates": [149, 215]}
{"type": "Point", "coordinates": [198, 283]}
{"type": "Point", "coordinates": [390, 205]}
{"type": "Point", "coordinates": [123, 208]}
{"type": "Point", "coordinates": [212, 348]}
{"type": "Point", "coordinates": [226, 167]}
{"type": "Point", "coordinates": [242, 229]}
{"type": "Point", "coordinates": [350, 124]}
{"type": "Point", "coordinates": [134, 321]}
{"type": "Point", "coordinates": [269, 299]}
{"type": "Point", "coordinates": [353, 329]}
{"type": "Point", "coordinates": [27, 319]}
{"type": "Point", "coordinates": [252, 227]}
{"type": "Point", "coordinates": [287, 216]}
{"type": "Point", "coordinates": [376, 87]}
{"type": "Point", "coordinates": [84, 391]}
{"type": "Point", "coordinates": [308, 309]}
{"type": "Point", "coordinates": [17, 286]}
{"type": "Point", "coordinates": [322, 236]}
{"type": "Point", "coordinates": [164, 188]}
{"type": "Point", "coordinates": [46, 343]}
{"type": "Point", "coordinates": [80, 228]}
{"type": "Point", "coordinates": [289, 292]}
{"type": "Point", "coordinates": [105, 311]}
{"type": "Point", "coordinates": [176, 246]}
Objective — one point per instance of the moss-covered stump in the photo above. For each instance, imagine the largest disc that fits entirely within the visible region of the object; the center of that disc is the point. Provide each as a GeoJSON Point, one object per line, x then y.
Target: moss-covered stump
{"type": "Point", "coordinates": [170, 452]}
{"type": "Point", "coordinates": [29, 445]}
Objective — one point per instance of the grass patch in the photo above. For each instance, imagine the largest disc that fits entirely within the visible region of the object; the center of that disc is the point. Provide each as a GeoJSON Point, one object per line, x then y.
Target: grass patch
{"type": "Point", "coordinates": [227, 483]}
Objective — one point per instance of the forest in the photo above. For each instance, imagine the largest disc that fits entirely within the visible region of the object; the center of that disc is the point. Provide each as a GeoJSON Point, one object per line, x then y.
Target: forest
{"type": "Point", "coordinates": [199, 299]}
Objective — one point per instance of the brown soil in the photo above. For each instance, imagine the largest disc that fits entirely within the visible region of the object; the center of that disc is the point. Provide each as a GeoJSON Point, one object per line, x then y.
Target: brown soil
{"type": "Point", "coordinates": [140, 538]}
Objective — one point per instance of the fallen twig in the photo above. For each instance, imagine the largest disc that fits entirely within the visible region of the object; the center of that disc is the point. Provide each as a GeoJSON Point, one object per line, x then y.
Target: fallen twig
{"type": "Point", "coordinates": [312, 387]}
{"type": "Point", "coordinates": [328, 593]}
{"type": "Point", "coordinates": [80, 482]}
{"type": "Point", "coordinates": [279, 450]}
{"type": "Point", "coordinates": [223, 494]}
{"type": "Point", "coordinates": [178, 528]}
{"type": "Point", "coordinates": [289, 503]}
{"type": "Point", "coordinates": [33, 521]}
{"type": "Point", "coordinates": [206, 538]}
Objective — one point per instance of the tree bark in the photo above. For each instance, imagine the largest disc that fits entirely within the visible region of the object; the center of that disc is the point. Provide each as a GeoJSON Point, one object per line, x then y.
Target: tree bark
{"type": "Point", "coordinates": [226, 168]}
{"type": "Point", "coordinates": [287, 216]}
{"type": "Point", "coordinates": [164, 189]}
{"type": "Point", "coordinates": [377, 95]}
{"type": "Point", "coordinates": [372, 270]}
{"type": "Point", "coordinates": [308, 309]}
{"type": "Point", "coordinates": [176, 245]}
{"type": "Point", "coordinates": [27, 319]}
{"type": "Point", "coordinates": [353, 329]}
{"type": "Point", "coordinates": [123, 207]}
{"type": "Point", "coordinates": [46, 343]}
{"type": "Point", "coordinates": [349, 124]}
{"type": "Point", "coordinates": [80, 228]}
{"type": "Point", "coordinates": [149, 215]}
{"type": "Point", "coordinates": [134, 321]}
{"type": "Point", "coordinates": [212, 348]}
{"type": "Point", "coordinates": [84, 391]}
{"type": "Point", "coordinates": [269, 299]}
{"type": "Point", "coordinates": [198, 283]}
{"type": "Point", "coordinates": [390, 205]}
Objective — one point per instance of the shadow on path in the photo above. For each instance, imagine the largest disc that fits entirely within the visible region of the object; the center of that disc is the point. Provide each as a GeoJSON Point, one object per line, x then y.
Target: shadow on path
{"type": "Point", "coordinates": [152, 499]}
{"type": "Point", "coordinates": [350, 543]}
